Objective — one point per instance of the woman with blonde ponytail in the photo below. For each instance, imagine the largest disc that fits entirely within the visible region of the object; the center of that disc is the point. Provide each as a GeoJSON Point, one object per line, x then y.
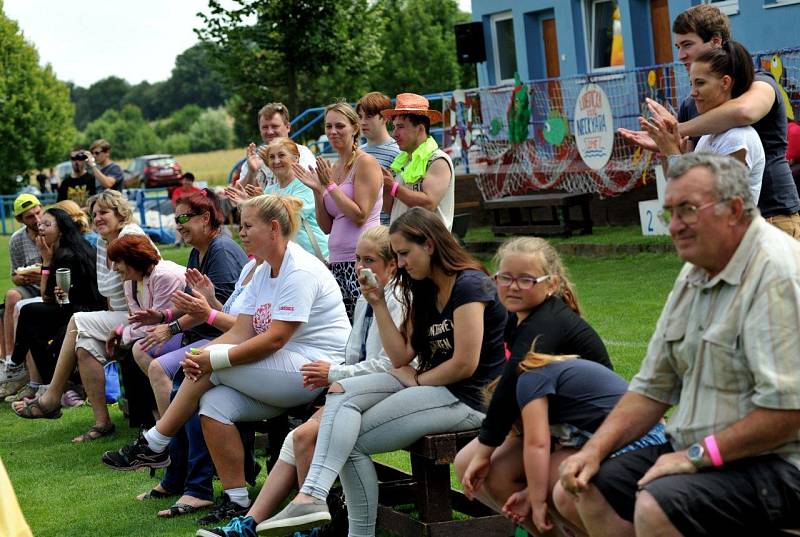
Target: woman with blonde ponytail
{"type": "Point", "coordinates": [348, 196]}
{"type": "Point", "coordinates": [292, 315]}
{"type": "Point", "coordinates": [542, 305]}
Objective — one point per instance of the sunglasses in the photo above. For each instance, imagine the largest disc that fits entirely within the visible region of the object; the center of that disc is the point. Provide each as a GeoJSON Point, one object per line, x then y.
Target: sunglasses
{"type": "Point", "coordinates": [99, 151]}
{"type": "Point", "coordinates": [504, 279]}
{"type": "Point", "coordinates": [183, 218]}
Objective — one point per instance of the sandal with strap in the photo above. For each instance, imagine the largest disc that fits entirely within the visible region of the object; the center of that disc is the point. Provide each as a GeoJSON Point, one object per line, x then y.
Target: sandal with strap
{"type": "Point", "coordinates": [94, 433]}
{"type": "Point", "coordinates": [155, 494]}
{"type": "Point", "coordinates": [180, 509]}
{"type": "Point", "coordinates": [27, 411]}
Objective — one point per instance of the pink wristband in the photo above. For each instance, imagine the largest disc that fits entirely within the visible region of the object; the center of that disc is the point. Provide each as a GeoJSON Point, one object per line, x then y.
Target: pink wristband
{"type": "Point", "coordinates": [393, 191]}
{"type": "Point", "coordinates": [168, 315]}
{"type": "Point", "coordinates": [45, 272]}
{"type": "Point", "coordinates": [331, 186]}
{"type": "Point", "coordinates": [120, 329]}
{"type": "Point", "coordinates": [211, 317]}
{"type": "Point", "coordinates": [713, 450]}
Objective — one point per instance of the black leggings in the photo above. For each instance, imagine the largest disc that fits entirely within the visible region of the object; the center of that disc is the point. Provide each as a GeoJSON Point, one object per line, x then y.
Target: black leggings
{"type": "Point", "coordinates": [41, 329]}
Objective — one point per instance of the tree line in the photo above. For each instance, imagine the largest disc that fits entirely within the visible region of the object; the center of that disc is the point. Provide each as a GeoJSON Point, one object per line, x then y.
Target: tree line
{"type": "Point", "coordinates": [304, 53]}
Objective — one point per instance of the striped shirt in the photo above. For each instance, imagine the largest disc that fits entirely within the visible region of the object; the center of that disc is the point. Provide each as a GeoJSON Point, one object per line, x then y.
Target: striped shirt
{"type": "Point", "coordinates": [384, 153]}
{"type": "Point", "coordinates": [109, 282]}
{"type": "Point", "coordinates": [725, 346]}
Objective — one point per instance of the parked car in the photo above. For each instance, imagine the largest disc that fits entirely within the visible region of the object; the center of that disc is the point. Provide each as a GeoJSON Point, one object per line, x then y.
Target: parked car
{"type": "Point", "coordinates": [153, 171]}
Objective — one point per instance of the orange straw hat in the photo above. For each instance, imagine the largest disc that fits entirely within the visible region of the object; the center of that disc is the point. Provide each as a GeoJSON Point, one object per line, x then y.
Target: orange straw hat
{"type": "Point", "coordinates": [414, 105]}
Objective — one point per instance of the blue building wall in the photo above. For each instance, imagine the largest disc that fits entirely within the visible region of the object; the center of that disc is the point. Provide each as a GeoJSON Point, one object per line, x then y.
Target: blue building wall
{"type": "Point", "coordinates": [758, 24]}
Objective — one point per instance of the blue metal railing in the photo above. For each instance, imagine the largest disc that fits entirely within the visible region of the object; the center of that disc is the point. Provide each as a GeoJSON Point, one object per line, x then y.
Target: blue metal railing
{"type": "Point", "coordinates": [7, 221]}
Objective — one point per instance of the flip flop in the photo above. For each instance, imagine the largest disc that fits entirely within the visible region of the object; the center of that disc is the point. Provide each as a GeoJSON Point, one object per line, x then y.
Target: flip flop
{"type": "Point", "coordinates": [180, 509]}
{"type": "Point", "coordinates": [100, 431]}
{"type": "Point", "coordinates": [27, 413]}
{"type": "Point", "coordinates": [155, 494]}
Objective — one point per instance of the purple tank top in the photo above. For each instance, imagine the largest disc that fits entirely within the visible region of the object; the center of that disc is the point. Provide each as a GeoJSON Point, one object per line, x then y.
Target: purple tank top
{"type": "Point", "coordinates": [344, 233]}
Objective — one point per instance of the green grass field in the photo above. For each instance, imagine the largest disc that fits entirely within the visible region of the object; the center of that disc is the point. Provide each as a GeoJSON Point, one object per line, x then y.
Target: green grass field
{"type": "Point", "coordinates": [65, 490]}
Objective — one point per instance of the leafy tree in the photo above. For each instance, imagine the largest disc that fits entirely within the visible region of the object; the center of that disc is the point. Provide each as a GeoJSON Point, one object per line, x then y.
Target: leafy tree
{"type": "Point", "coordinates": [37, 116]}
{"type": "Point", "coordinates": [178, 143]}
{"type": "Point", "coordinates": [104, 94]}
{"type": "Point", "coordinates": [420, 48]}
{"type": "Point", "coordinates": [211, 131]}
{"type": "Point", "coordinates": [148, 97]}
{"type": "Point", "coordinates": [193, 81]}
{"type": "Point", "coordinates": [301, 52]}
{"type": "Point", "coordinates": [129, 133]}
{"type": "Point", "coordinates": [179, 122]}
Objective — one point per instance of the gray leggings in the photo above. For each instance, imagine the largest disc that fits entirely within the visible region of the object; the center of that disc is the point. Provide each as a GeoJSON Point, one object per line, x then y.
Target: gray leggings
{"type": "Point", "coordinates": [375, 414]}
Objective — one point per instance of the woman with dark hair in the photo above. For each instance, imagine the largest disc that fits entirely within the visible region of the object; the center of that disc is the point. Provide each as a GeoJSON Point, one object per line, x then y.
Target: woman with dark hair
{"type": "Point", "coordinates": [85, 341]}
{"type": "Point", "coordinates": [454, 325]}
{"type": "Point", "coordinates": [42, 326]}
{"type": "Point", "coordinates": [348, 196]}
{"type": "Point", "coordinates": [717, 76]}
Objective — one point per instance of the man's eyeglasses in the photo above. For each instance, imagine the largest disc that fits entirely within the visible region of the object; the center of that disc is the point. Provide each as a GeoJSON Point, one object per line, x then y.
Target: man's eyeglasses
{"type": "Point", "coordinates": [686, 212]}
{"type": "Point", "coordinates": [504, 279]}
{"type": "Point", "coordinates": [98, 151]}
{"type": "Point", "coordinates": [183, 218]}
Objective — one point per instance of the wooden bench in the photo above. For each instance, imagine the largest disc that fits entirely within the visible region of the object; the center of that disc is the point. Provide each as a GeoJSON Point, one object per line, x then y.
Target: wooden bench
{"type": "Point", "coordinates": [515, 215]}
{"type": "Point", "coordinates": [427, 491]}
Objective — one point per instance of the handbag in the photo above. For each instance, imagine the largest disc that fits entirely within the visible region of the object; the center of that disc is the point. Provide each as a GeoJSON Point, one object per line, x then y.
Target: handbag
{"type": "Point", "coordinates": [113, 390]}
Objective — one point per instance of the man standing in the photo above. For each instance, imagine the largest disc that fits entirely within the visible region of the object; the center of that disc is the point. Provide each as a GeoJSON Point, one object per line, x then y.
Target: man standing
{"type": "Point", "coordinates": [373, 126]}
{"type": "Point", "coordinates": [424, 173]}
{"type": "Point", "coordinates": [107, 174]}
{"type": "Point", "coordinates": [23, 252]}
{"type": "Point", "coordinates": [79, 185]}
{"type": "Point", "coordinates": [273, 122]}
{"type": "Point", "coordinates": [723, 353]}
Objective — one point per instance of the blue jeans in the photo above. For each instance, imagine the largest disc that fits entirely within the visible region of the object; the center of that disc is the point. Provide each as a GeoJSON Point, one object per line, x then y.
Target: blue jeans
{"type": "Point", "coordinates": [375, 414]}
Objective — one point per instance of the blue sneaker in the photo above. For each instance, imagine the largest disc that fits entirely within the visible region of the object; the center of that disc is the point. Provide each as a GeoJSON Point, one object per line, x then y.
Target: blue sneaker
{"type": "Point", "coordinates": [241, 526]}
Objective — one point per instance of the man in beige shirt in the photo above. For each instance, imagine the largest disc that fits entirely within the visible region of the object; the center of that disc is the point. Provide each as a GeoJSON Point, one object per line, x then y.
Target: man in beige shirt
{"type": "Point", "coordinates": [725, 355]}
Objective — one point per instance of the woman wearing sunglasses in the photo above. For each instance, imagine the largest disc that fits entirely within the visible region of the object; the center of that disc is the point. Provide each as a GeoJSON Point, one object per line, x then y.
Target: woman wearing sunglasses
{"type": "Point", "coordinates": [532, 284]}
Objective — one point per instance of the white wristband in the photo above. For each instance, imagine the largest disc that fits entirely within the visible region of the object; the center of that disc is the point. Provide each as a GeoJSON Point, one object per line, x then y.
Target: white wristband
{"type": "Point", "coordinates": [219, 359]}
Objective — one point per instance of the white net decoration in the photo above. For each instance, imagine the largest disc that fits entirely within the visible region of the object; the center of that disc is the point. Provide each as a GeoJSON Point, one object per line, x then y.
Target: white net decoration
{"type": "Point", "coordinates": [549, 158]}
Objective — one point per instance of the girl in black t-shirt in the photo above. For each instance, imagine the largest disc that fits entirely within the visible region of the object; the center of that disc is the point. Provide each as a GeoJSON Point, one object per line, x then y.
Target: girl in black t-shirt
{"type": "Point", "coordinates": [454, 325]}
{"type": "Point", "coordinates": [533, 285]}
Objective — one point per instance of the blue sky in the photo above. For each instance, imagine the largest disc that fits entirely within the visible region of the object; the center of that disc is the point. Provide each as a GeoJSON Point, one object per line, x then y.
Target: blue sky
{"type": "Point", "coordinates": [87, 40]}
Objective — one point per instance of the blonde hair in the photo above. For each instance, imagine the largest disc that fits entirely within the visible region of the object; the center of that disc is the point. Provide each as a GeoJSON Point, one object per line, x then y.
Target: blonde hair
{"type": "Point", "coordinates": [114, 201]}
{"type": "Point", "coordinates": [284, 209]}
{"type": "Point", "coordinates": [75, 213]}
{"type": "Point", "coordinates": [379, 236]}
{"type": "Point", "coordinates": [551, 264]}
{"type": "Point", "coordinates": [347, 111]}
{"type": "Point", "coordinates": [284, 143]}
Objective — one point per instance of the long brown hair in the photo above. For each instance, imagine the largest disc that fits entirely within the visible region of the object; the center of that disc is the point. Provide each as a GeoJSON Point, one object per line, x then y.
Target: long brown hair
{"type": "Point", "coordinates": [419, 226]}
{"type": "Point", "coordinates": [347, 111]}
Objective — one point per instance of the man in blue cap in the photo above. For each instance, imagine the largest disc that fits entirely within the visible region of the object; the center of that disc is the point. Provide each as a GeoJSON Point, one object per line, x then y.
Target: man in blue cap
{"type": "Point", "coordinates": [23, 252]}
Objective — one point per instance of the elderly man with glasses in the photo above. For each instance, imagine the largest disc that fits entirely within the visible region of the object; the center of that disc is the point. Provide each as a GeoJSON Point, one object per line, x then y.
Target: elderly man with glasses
{"type": "Point", "coordinates": [107, 174]}
{"type": "Point", "coordinates": [724, 354]}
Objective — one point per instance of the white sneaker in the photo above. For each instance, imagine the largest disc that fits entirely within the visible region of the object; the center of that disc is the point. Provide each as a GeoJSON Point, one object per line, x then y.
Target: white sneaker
{"type": "Point", "coordinates": [12, 372]}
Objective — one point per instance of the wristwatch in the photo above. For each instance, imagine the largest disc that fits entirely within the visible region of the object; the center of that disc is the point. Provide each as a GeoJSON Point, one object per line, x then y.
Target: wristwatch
{"type": "Point", "coordinates": [695, 455]}
{"type": "Point", "coordinates": [174, 328]}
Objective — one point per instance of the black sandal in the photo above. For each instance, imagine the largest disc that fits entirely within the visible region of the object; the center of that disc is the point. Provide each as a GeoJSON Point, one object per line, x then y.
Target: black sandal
{"type": "Point", "coordinates": [180, 509]}
{"type": "Point", "coordinates": [155, 494]}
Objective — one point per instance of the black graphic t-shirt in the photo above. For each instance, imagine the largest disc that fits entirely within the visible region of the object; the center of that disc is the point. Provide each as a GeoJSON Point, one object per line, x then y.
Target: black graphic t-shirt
{"type": "Point", "coordinates": [471, 286]}
{"type": "Point", "coordinates": [77, 189]}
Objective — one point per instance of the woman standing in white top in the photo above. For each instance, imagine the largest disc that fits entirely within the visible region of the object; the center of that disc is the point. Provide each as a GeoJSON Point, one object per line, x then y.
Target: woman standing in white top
{"type": "Point", "coordinates": [717, 76]}
{"type": "Point", "coordinates": [85, 342]}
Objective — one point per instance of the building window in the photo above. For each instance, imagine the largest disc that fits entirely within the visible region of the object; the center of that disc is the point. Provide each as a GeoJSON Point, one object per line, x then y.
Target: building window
{"type": "Point", "coordinates": [604, 35]}
{"type": "Point", "coordinates": [505, 51]}
{"type": "Point", "coordinates": [729, 7]}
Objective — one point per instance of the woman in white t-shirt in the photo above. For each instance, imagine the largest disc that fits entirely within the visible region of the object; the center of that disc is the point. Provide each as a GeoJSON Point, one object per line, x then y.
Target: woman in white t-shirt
{"type": "Point", "coordinates": [717, 76]}
{"type": "Point", "coordinates": [293, 314]}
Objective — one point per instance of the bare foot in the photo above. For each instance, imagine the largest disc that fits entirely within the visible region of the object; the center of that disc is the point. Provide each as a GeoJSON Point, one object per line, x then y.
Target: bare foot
{"type": "Point", "coordinates": [189, 500]}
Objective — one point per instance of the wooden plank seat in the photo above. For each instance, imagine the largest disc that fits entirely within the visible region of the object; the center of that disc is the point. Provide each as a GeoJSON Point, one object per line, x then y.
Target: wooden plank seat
{"type": "Point", "coordinates": [427, 491]}
{"type": "Point", "coordinates": [522, 215]}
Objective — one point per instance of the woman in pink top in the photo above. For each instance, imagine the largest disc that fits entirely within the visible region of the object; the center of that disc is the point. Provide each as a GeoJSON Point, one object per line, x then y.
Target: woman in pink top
{"type": "Point", "coordinates": [347, 195]}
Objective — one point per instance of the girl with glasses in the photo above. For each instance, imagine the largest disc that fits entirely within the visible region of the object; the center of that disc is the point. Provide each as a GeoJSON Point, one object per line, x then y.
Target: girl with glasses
{"type": "Point", "coordinates": [533, 285]}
